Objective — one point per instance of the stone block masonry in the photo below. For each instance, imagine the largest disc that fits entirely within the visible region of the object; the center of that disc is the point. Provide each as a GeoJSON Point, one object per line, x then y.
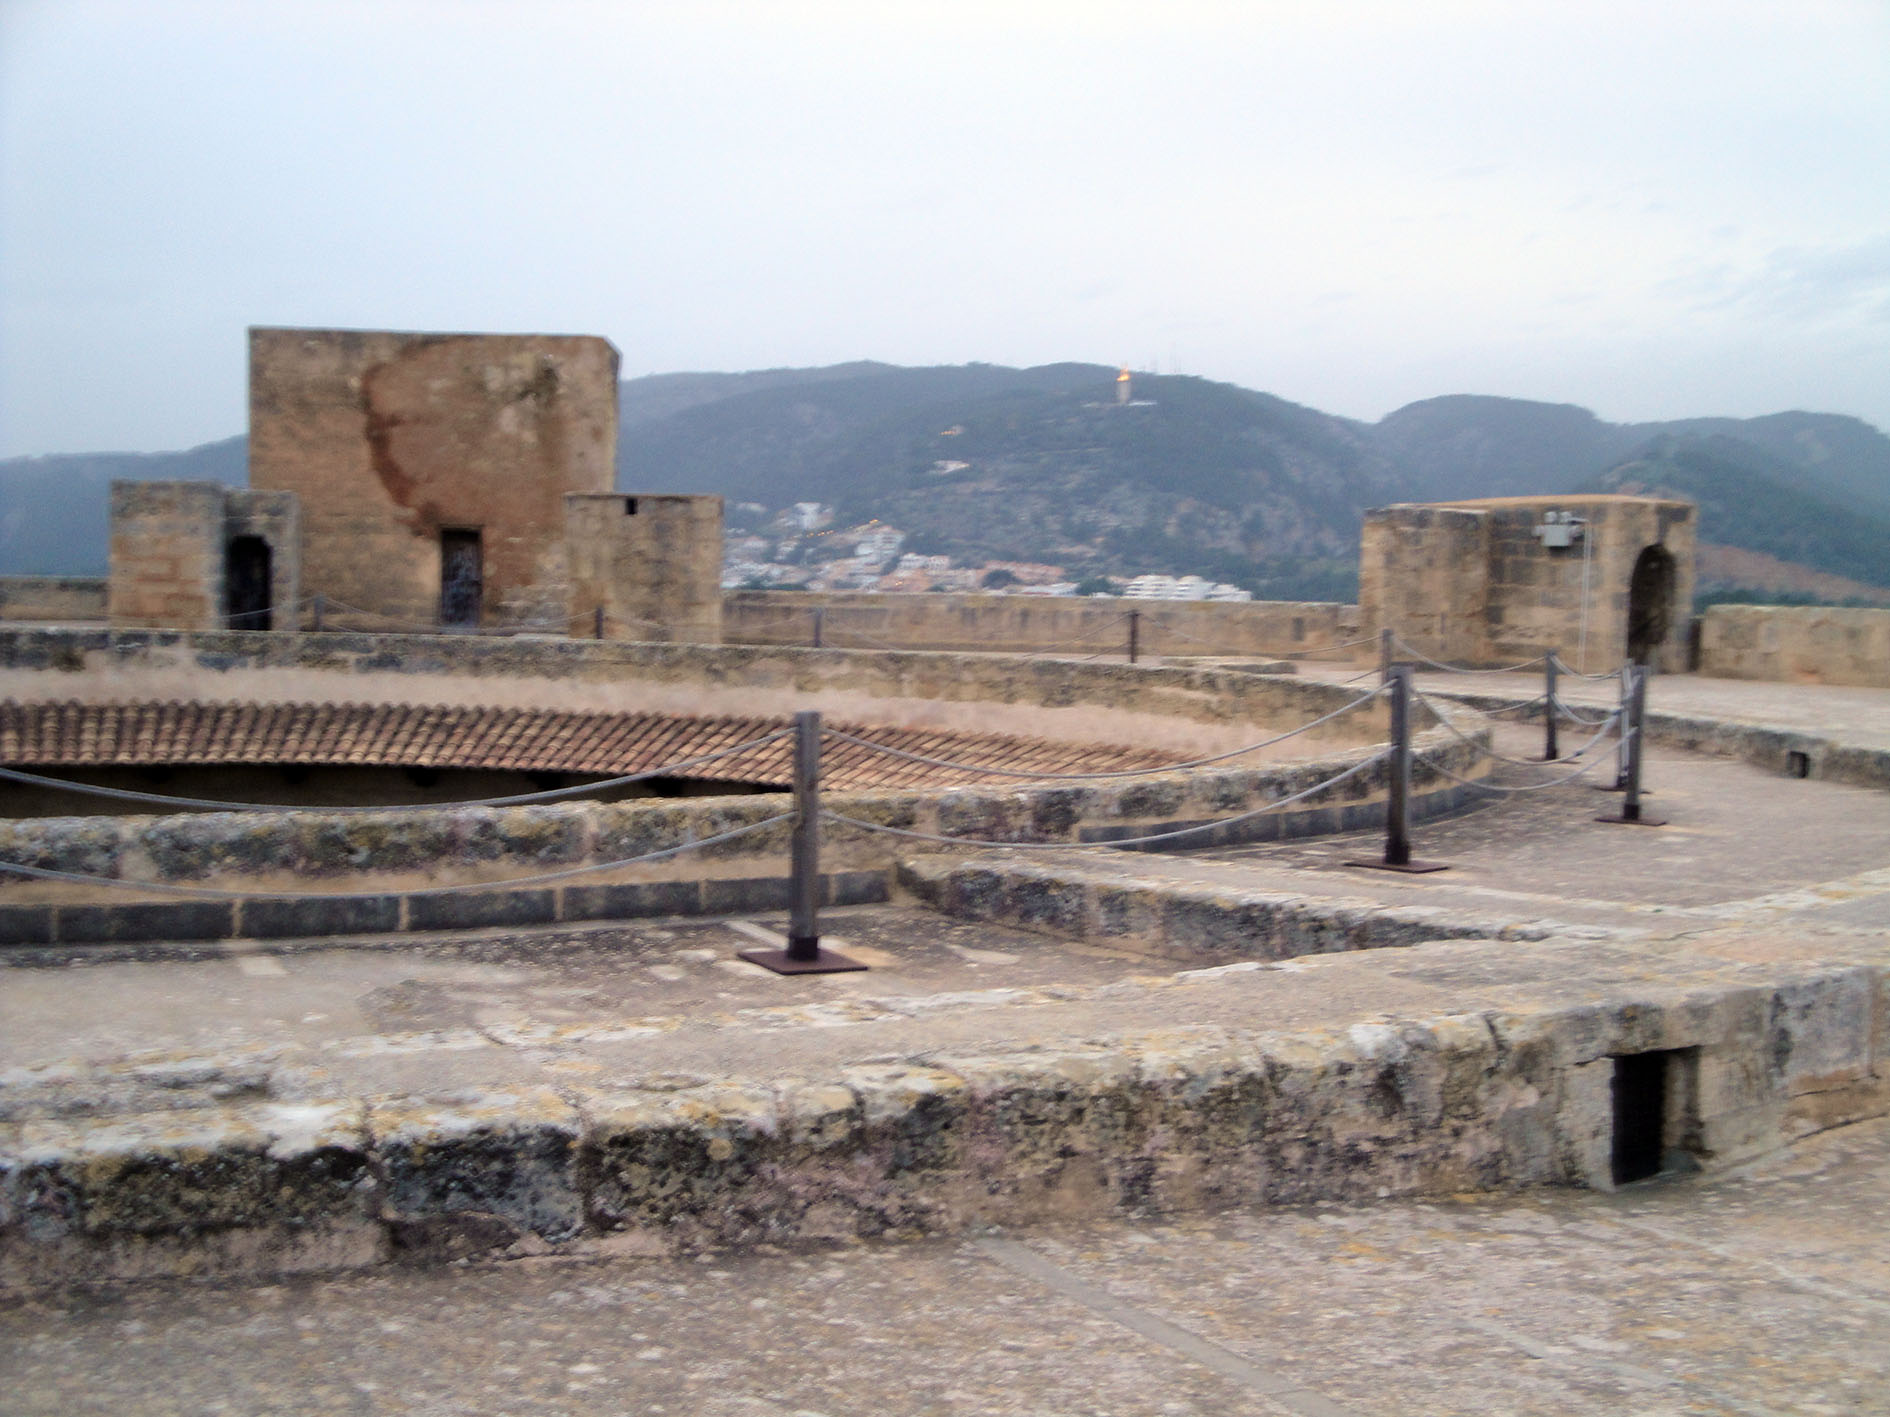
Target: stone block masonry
{"type": "Point", "coordinates": [1798, 644]}
{"type": "Point", "coordinates": [393, 441]}
{"type": "Point", "coordinates": [650, 565]}
{"type": "Point", "coordinates": [242, 1172]}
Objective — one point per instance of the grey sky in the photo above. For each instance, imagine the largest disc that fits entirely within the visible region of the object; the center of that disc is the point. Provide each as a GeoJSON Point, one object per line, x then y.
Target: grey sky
{"type": "Point", "coordinates": [1655, 210]}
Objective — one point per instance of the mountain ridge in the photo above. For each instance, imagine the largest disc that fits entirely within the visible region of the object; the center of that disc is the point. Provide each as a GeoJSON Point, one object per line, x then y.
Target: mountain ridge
{"type": "Point", "coordinates": [988, 462]}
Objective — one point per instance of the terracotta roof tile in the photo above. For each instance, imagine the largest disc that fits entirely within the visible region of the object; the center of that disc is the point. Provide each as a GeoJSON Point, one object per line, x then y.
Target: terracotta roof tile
{"type": "Point", "coordinates": [71, 734]}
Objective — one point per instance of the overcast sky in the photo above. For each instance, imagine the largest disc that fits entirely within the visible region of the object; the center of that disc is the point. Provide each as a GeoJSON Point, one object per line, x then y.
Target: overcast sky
{"type": "Point", "coordinates": [1655, 210]}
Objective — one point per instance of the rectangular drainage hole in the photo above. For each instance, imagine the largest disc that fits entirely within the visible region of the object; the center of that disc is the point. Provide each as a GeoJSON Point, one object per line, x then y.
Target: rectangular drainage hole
{"type": "Point", "coordinates": [1797, 764]}
{"type": "Point", "coordinates": [1640, 1115]}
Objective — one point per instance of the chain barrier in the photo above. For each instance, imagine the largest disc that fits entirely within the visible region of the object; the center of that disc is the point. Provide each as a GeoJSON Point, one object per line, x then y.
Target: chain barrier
{"type": "Point", "coordinates": [1333, 781]}
{"type": "Point", "coordinates": [910, 756]}
{"type": "Point", "coordinates": [553, 794]}
{"type": "Point", "coordinates": [42, 873]}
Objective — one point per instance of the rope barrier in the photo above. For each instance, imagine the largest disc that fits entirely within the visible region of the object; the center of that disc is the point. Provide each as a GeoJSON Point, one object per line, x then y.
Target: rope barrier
{"type": "Point", "coordinates": [1459, 669]}
{"type": "Point", "coordinates": [1334, 781]}
{"type": "Point", "coordinates": [1563, 666]}
{"type": "Point", "coordinates": [42, 873]}
{"type": "Point", "coordinates": [553, 794]}
{"type": "Point", "coordinates": [1503, 757]}
{"type": "Point", "coordinates": [1097, 776]}
{"type": "Point", "coordinates": [1571, 716]}
{"type": "Point", "coordinates": [1581, 771]}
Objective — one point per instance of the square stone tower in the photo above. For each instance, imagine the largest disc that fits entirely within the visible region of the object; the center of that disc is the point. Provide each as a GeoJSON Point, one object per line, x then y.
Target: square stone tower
{"type": "Point", "coordinates": [432, 469]}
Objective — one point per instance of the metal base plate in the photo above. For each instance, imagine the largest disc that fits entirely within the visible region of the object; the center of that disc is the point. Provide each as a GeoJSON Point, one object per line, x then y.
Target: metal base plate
{"type": "Point", "coordinates": [1410, 868]}
{"type": "Point", "coordinates": [823, 962]}
{"type": "Point", "coordinates": [1641, 821]}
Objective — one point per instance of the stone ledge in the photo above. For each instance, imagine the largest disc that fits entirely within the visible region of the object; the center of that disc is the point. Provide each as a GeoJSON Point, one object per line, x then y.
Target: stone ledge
{"type": "Point", "coordinates": [386, 913]}
{"type": "Point", "coordinates": [1512, 1094]}
{"type": "Point", "coordinates": [1196, 925]}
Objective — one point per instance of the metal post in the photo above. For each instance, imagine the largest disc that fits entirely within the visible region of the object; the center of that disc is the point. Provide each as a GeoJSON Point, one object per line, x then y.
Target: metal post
{"type": "Point", "coordinates": [1551, 750]}
{"type": "Point", "coordinates": [1628, 672]}
{"type": "Point", "coordinates": [1398, 800]}
{"type": "Point", "coordinates": [1634, 715]}
{"type": "Point", "coordinates": [803, 954]}
{"type": "Point", "coordinates": [321, 608]}
{"type": "Point", "coordinates": [1398, 788]}
{"type": "Point", "coordinates": [804, 915]}
{"type": "Point", "coordinates": [1135, 635]}
{"type": "Point", "coordinates": [1637, 703]}
{"type": "Point", "coordinates": [597, 623]}
{"type": "Point", "coordinates": [820, 617]}
{"type": "Point", "coordinates": [1384, 656]}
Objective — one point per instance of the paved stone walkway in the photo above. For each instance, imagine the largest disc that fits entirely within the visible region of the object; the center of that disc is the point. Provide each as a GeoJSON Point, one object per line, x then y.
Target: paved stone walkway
{"type": "Point", "coordinates": [1764, 1291]}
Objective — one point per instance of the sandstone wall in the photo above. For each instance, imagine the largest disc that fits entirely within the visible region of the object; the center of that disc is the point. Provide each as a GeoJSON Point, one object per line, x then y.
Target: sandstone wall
{"type": "Point", "coordinates": [652, 564]}
{"type": "Point", "coordinates": [167, 549]}
{"type": "Point", "coordinates": [1798, 644]}
{"type": "Point", "coordinates": [1025, 624]}
{"type": "Point", "coordinates": [1471, 583]}
{"type": "Point", "coordinates": [389, 439]}
{"type": "Point", "coordinates": [52, 598]}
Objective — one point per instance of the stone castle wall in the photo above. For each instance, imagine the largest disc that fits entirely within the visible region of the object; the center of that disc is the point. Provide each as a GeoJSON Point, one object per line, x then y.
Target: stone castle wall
{"type": "Point", "coordinates": [1471, 582]}
{"type": "Point", "coordinates": [1050, 624]}
{"type": "Point", "coordinates": [651, 564]}
{"type": "Point", "coordinates": [389, 439]}
{"type": "Point", "coordinates": [167, 555]}
{"type": "Point", "coordinates": [1796, 644]}
{"type": "Point", "coordinates": [52, 598]}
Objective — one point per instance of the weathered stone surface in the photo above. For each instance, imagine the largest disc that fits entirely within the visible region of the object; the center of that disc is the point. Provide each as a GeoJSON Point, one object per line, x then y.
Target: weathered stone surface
{"type": "Point", "coordinates": [510, 1154]}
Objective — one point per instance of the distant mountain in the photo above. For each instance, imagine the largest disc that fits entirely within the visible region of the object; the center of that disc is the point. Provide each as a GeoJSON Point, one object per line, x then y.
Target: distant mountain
{"type": "Point", "coordinates": [984, 462]}
{"type": "Point", "coordinates": [1757, 502]}
{"type": "Point", "coordinates": [53, 510]}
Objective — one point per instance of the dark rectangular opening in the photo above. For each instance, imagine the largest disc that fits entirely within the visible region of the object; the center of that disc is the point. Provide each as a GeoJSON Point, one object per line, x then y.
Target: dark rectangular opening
{"type": "Point", "coordinates": [629, 506]}
{"type": "Point", "coordinates": [1797, 764]}
{"type": "Point", "coordinates": [462, 576]}
{"type": "Point", "coordinates": [1640, 1115]}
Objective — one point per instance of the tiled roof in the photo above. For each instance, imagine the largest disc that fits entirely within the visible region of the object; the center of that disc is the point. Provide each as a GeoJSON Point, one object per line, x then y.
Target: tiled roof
{"type": "Point", "coordinates": [526, 740]}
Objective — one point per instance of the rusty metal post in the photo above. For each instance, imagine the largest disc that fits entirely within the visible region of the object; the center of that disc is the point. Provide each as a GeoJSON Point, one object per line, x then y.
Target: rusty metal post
{"type": "Point", "coordinates": [820, 618]}
{"type": "Point", "coordinates": [321, 607]}
{"type": "Point", "coordinates": [1384, 656]}
{"type": "Point", "coordinates": [597, 623]}
{"type": "Point", "coordinates": [1398, 789]}
{"type": "Point", "coordinates": [1551, 750]}
{"type": "Point", "coordinates": [1135, 634]}
{"type": "Point", "coordinates": [803, 954]}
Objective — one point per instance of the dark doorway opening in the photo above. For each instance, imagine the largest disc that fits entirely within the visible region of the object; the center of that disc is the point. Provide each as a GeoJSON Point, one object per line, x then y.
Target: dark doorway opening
{"type": "Point", "coordinates": [462, 576]}
{"type": "Point", "coordinates": [1650, 603]}
{"type": "Point", "coordinates": [246, 572]}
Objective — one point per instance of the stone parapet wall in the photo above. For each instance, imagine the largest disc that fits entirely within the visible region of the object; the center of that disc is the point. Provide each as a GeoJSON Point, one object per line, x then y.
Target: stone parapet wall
{"type": "Point", "coordinates": [1043, 624]}
{"type": "Point", "coordinates": [1796, 644]}
{"type": "Point", "coordinates": [649, 565]}
{"type": "Point", "coordinates": [396, 849]}
{"type": "Point", "coordinates": [61, 599]}
{"type": "Point", "coordinates": [1513, 1091]}
{"type": "Point", "coordinates": [167, 554]}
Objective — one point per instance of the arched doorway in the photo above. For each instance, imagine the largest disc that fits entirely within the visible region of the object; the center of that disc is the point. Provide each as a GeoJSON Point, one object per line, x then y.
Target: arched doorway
{"type": "Point", "coordinates": [1650, 603]}
{"type": "Point", "coordinates": [246, 572]}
